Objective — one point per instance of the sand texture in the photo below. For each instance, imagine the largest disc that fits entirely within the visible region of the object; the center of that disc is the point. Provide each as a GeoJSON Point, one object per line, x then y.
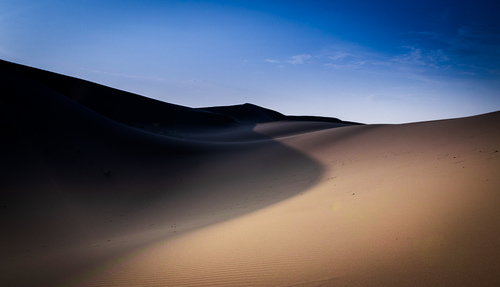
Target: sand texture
{"type": "Point", "coordinates": [145, 193]}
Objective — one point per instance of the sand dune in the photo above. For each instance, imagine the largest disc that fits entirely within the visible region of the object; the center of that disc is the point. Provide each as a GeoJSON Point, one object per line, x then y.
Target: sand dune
{"type": "Point", "coordinates": [237, 196]}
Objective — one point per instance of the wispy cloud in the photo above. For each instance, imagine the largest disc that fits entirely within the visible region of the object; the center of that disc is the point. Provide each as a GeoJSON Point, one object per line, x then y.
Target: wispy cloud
{"type": "Point", "coordinates": [294, 60]}
{"type": "Point", "coordinates": [337, 56]}
{"type": "Point", "coordinates": [350, 65]}
{"type": "Point", "coordinates": [471, 49]}
{"type": "Point", "coordinates": [416, 56]}
{"type": "Point", "coordinates": [352, 57]}
{"type": "Point", "coordinates": [272, 61]}
{"type": "Point", "coordinates": [299, 59]}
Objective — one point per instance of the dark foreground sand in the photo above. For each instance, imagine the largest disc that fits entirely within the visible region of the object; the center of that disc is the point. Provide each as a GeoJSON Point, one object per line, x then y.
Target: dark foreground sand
{"type": "Point", "coordinates": [95, 194]}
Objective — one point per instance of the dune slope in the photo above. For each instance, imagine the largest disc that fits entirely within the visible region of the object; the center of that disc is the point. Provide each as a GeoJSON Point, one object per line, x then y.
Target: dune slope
{"type": "Point", "coordinates": [396, 205]}
{"type": "Point", "coordinates": [89, 200]}
{"type": "Point", "coordinates": [81, 188]}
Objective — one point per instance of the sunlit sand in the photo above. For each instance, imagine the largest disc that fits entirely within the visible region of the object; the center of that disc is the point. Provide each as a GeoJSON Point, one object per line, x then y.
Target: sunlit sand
{"type": "Point", "coordinates": [96, 199]}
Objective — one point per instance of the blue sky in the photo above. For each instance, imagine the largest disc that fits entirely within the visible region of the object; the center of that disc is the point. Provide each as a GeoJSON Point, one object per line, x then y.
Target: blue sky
{"type": "Point", "coordinates": [378, 61]}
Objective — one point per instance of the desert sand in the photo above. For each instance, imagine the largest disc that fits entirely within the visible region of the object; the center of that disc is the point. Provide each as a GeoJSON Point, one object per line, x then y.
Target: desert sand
{"type": "Point", "coordinates": [105, 188]}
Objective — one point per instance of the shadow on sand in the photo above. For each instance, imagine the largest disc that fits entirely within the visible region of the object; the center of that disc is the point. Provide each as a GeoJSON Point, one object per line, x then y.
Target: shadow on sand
{"type": "Point", "coordinates": [86, 166]}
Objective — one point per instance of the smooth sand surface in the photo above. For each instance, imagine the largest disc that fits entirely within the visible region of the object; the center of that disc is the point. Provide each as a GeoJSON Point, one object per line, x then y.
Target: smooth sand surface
{"type": "Point", "coordinates": [396, 205]}
{"type": "Point", "coordinates": [87, 201]}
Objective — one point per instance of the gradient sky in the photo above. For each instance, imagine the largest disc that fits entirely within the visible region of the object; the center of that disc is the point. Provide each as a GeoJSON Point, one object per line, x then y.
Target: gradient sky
{"type": "Point", "coordinates": [383, 61]}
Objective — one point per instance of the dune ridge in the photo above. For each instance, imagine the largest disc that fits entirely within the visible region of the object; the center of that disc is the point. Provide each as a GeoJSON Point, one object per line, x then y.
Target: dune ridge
{"type": "Point", "coordinates": [237, 196]}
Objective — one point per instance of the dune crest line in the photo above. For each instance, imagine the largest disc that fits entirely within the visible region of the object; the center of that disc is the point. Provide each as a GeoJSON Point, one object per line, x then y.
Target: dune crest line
{"type": "Point", "coordinates": [108, 188]}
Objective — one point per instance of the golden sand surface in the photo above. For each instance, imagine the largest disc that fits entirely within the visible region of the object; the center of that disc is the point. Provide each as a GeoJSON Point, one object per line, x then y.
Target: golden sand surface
{"type": "Point", "coordinates": [396, 205]}
{"type": "Point", "coordinates": [89, 201]}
